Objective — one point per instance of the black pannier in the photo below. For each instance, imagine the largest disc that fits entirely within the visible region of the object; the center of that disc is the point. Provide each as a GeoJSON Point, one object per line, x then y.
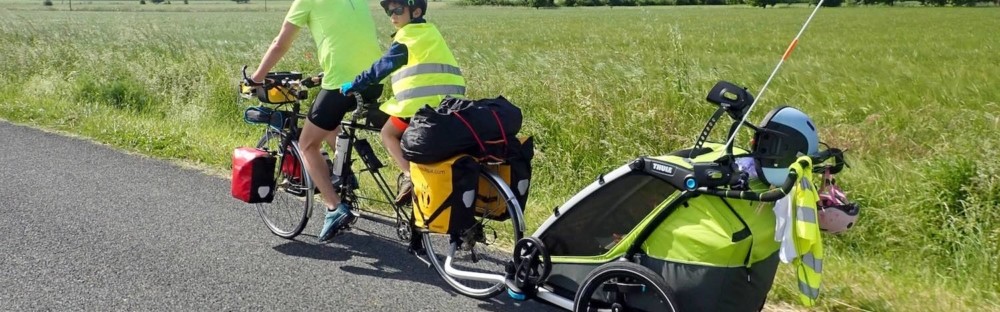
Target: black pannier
{"type": "Point", "coordinates": [460, 126]}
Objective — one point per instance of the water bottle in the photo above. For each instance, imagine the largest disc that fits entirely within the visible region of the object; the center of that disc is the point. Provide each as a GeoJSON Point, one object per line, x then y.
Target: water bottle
{"type": "Point", "coordinates": [341, 153]}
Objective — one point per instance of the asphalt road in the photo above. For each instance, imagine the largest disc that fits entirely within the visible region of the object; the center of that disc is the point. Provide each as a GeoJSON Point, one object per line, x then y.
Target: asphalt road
{"type": "Point", "coordinates": [87, 227]}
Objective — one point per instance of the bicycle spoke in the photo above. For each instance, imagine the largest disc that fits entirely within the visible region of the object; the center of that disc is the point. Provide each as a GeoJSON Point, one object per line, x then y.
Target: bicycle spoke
{"type": "Point", "coordinates": [287, 214]}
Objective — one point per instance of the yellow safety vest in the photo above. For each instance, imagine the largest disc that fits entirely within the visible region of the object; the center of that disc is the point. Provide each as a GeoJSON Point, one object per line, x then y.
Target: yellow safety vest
{"type": "Point", "coordinates": [430, 74]}
{"type": "Point", "coordinates": [806, 235]}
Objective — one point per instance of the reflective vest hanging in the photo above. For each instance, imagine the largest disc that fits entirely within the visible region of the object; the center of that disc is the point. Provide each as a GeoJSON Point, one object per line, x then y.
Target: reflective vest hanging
{"type": "Point", "coordinates": [430, 74]}
{"type": "Point", "coordinates": [806, 235]}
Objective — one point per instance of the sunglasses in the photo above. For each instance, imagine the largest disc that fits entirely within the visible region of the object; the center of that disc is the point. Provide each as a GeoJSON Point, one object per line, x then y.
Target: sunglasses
{"type": "Point", "coordinates": [396, 11]}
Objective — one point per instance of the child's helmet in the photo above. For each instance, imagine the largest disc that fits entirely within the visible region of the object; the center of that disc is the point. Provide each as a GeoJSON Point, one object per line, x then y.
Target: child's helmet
{"type": "Point", "coordinates": [785, 133]}
{"type": "Point", "coordinates": [412, 4]}
{"type": "Point", "coordinates": [836, 213]}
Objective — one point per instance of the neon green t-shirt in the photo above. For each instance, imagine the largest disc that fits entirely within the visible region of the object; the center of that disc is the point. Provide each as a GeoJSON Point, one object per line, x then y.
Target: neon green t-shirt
{"type": "Point", "coordinates": [344, 33]}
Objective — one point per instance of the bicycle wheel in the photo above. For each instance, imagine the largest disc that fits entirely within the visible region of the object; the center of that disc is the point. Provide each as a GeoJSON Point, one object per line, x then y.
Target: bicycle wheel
{"type": "Point", "coordinates": [484, 250]}
{"type": "Point", "coordinates": [289, 212]}
{"type": "Point", "coordinates": [624, 286]}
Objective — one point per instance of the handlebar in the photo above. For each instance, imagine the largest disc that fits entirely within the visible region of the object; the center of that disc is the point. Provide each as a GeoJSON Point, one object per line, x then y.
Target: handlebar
{"type": "Point", "coordinates": [359, 109]}
{"type": "Point", "coordinates": [360, 101]}
{"type": "Point", "coordinates": [248, 84]}
{"type": "Point", "coordinates": [839, 162]}
{"type": "Point", "coordinates": [779, 193]}
{"type": "Point", "coordinates": [768, 196]}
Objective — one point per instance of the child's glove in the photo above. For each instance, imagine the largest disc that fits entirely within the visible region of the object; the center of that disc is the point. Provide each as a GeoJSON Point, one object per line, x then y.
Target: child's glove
{"type": "Point", "coordinates": [346, 88]}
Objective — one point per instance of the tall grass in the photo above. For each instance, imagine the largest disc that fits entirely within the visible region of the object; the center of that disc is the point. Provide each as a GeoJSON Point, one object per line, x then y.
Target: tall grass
{"type": "Point", "coordinates": [909, 92]}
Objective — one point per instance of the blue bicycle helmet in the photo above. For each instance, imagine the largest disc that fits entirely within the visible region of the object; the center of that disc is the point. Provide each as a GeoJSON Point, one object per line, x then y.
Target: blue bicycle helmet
{"type": "Point", "coordinates": [784, 135]}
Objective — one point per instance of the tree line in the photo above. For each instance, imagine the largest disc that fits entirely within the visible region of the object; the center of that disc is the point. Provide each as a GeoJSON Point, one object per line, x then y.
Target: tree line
{"type": "Point", "coordinates": [755, 3]}
{"type": "Point", "coordinates": [614, 3]}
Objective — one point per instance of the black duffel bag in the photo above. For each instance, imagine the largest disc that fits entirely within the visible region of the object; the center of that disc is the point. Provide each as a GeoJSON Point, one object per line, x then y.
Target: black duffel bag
{"type": "Point", "coordinates": [460, 126]}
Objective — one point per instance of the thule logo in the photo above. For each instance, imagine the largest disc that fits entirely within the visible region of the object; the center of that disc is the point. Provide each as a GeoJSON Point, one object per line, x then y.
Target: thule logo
{"type": "Point", "coordinates": [668, 170]}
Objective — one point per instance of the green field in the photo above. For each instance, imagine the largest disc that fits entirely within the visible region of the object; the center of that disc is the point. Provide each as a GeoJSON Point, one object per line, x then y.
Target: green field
{"type": "Point", "coordinates": [911, 93]}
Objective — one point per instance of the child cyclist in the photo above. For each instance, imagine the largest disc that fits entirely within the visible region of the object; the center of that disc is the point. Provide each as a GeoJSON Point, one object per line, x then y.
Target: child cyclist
{"type": "Point", "coordinates": [422, 70]}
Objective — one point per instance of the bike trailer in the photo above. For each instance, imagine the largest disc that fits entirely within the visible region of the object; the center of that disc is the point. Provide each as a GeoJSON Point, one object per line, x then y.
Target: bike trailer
{"type": "Point", "coordinates": [253, 175]}
{"type": "Point", "coordinates": [716, 254]}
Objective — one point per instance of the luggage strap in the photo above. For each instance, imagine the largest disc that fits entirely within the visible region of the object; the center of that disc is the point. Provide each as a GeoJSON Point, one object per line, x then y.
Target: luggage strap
{"type": "Point", "coordinates": [482, 147]}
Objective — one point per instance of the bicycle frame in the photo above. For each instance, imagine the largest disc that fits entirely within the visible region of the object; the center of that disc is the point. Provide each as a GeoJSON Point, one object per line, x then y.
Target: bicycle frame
{"type": "Point", "coordinates": [291, 131]}
{"type": "Point", "coordinates": [349, 131]}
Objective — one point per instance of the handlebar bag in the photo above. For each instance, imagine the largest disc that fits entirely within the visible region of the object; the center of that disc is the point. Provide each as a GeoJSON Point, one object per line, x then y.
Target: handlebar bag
{"type": "Point", "coordinates": [253, 175]}
{"type": "Point", "coordinates": [277, 94]}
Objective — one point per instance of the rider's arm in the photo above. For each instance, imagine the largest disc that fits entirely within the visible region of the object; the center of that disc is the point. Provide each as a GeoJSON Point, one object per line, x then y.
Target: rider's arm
{"type": "Point", "coordinates": [278, 47]}
{"type": "Point", "coordinates": [393, 59]}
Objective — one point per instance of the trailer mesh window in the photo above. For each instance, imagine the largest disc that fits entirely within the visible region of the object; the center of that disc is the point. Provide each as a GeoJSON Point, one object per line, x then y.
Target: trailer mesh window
{"type": "Point", "coordinates": [594, 225]}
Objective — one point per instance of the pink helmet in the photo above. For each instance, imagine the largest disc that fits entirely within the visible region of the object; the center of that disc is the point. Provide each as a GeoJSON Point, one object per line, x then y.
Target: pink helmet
{"type": "Point", "coordinates": [836, 213]}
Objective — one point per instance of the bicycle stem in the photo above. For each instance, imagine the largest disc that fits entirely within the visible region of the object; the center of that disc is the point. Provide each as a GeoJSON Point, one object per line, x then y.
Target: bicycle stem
{"type": "Point", "coordinates": [357, 109]}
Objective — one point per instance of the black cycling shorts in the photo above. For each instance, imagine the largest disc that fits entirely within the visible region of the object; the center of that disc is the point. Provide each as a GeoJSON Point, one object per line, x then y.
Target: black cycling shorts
{"type": "Point", "coordinates": [330, 106]}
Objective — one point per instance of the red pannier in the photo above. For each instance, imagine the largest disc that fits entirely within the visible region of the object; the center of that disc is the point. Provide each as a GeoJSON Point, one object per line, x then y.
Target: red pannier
{"type": "Point", "coordinates": [253, 175]}
{"type": "Point", "coordinates": [290, 167]}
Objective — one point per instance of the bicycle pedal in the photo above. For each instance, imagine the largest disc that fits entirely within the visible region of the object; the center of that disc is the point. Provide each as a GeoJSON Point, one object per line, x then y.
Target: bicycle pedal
{"type": "Point", "coordinates": [473, 256]}
{"type": "Point", "coordinates": [468, 246]}
{"type": "Point", "coordinates": [296, 192]}
{"type": "Point", "coordinates": [347, 226]}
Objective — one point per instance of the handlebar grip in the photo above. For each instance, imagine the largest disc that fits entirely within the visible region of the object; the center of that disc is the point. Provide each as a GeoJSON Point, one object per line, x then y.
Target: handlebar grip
{"type": "Point", "coordinates": [310, 82]}
{"type": "Point", "coordinates": [360, 100]}
{"type": "Point", "coordinates": [838, 163]}
{"type": "Point", "coordinates": [779, 193]}
{"type": "Point", "coordinates": [250, 83]}
{"type": "Point", "coordinates": [247, 81]}
{"type": "Point", "coordinates": [821, 156]}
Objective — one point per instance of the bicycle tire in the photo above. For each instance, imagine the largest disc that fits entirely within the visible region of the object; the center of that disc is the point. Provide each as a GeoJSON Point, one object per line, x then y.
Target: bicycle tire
{"type": "Point", "coordinates": [286, 216]}
{"type": "Point", "coordinates": [438, 247]}
{"type": "Point", "coordinates": [624, 273]}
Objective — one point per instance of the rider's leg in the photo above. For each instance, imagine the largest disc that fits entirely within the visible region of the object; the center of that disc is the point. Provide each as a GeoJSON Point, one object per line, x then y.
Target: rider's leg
{"type": "Point", "coordinates": [311, 142]}
{"type": "Point", "coordinates": [324, 123]}
{"type": "Point", "coordinates": [392, 133]}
